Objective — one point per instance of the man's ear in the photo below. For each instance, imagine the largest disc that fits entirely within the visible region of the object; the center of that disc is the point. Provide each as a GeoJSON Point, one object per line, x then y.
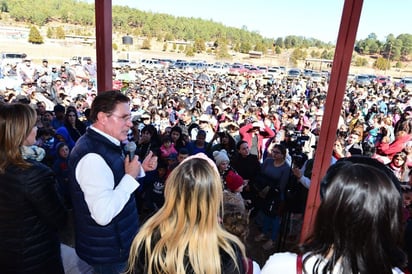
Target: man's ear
{"type": "Point", "coordinates": [102, 117]}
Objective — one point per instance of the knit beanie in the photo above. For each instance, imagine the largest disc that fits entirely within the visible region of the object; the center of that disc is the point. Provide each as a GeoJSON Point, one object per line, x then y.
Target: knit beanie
{"type": "Point", "coordinates": [233, 180]}
{"type": "Point", "coordinates": [220, 156]}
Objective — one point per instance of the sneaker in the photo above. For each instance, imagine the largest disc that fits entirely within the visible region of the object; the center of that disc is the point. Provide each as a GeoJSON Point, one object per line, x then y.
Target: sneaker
{"type": "Point", "coordinates": [260, 237]}
{"type": "Point", "coordinates": [268, 245]}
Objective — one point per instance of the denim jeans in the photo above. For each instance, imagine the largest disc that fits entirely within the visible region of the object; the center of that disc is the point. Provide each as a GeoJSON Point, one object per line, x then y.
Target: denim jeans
{"type": "Point", "coordinates": [115, 268]}
{"type": "Point", "coordinates": [271, 225]}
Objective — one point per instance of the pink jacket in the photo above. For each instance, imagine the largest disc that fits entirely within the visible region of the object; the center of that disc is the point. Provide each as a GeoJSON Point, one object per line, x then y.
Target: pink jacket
{"type": "Point", "coordinates": [390, 149]}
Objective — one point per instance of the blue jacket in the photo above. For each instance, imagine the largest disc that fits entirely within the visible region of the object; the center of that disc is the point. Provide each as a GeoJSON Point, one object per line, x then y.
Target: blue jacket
{"type": "Point", "coordinates": [98, 244]}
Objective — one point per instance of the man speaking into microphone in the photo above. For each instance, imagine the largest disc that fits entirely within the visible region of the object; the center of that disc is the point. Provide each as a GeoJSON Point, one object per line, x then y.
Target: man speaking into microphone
{"type": "Point", "coordinates": [102, 182]}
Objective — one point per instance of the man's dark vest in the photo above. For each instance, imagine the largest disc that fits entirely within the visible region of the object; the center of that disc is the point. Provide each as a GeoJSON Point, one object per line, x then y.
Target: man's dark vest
{"type": "Point", "coordinates": [97, 244]}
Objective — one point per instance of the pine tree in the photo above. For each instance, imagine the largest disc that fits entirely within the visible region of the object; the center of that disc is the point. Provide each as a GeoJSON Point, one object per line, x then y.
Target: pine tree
{"type": "Point", "coordinates": [60, 34]}
{"type": "Point", "coordinates": [34, 36]}
{"type": "Point", "coordinates": [50, 33]}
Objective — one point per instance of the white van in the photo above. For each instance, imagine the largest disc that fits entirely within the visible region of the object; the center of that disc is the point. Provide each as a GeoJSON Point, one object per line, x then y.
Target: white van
{"type": "Point", "coordinates": [12, 58]}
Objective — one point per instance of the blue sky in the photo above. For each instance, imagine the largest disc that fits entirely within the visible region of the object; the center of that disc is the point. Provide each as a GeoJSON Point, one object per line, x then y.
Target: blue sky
{"type": "Point", "coordinates": [319, 19]}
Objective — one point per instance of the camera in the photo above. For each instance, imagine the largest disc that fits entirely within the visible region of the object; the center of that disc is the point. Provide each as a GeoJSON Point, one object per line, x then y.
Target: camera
{"type": "Point", "coordinates": [294, 145]}
{"type": "Point", "coordinates": [297, 137]}
{"type": "Point", "coordinates": [299, 159]}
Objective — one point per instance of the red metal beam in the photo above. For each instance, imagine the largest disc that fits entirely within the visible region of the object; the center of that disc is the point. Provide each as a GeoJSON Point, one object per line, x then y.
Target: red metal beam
{"type": "Point", "coordinates": [336, 91]}
{"type": "Point", "coordinates": [104, 58]}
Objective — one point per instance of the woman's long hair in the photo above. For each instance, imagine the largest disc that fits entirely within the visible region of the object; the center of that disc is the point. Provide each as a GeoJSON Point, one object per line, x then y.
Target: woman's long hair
{"type": "Point", "coordinates": [179, 143]}
{"type": "Point", "coordinates": [16, 123]}
{"type": "Point", "coordinates": [358, 227]}
{"type": "Point", "coordinates": [230, 147]}
{"type": "Point", "coordinates": [186, 229]}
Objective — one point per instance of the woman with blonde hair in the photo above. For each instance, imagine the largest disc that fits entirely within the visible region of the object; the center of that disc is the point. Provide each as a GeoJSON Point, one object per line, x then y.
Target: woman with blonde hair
{"type": "Point", "coordinates": [185, 235]}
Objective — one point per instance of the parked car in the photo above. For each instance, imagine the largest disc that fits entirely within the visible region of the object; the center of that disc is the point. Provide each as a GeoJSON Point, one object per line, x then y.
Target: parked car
{"type": "Point", "coordinates": [372, 78]}
{"type": "Point", "coordinates": [272, 73]}
{"type": "Point", "coordinates": [237, 70]}
{"type": "Point", "coordinates": [362, 80]}
{"type": "Point", "coordinates": [196, 66]}
{"type": "Point", "coordinates": [307, 73]}
{"type": "Point", "coordinates": [167, 63]}
{"type": "Point", "coordinates": [122, 63]}
{"type": "Point", "coordinates": [182, 65]}
{"type": "Point", "coordinates": [316, 77]}
{"type": "Point", "coordinates": [406, 83]}
{"type": "Point", "coordinates": [351, 77]}
{"type": "Point", "coordinates": [254, 71]}
{"type": "Point", "coordinates": [218, 68]}
{"type": "Point", "coordinates": [282, 69]}
{"type": "Point", "coordinates": [293, 74]}
{"type": "Point", "coordinates": [263, 69]}
{"type": "Point", "coordinates": [152, 64]}
{"type": "Point", "coordinates": [12, 58]}
{"type": "Point", "coordinates": [383, 80]}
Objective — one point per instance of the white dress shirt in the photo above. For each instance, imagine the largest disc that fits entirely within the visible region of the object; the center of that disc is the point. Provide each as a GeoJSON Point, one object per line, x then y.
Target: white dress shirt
{"type": "Point", "coordinates": [96, 180]}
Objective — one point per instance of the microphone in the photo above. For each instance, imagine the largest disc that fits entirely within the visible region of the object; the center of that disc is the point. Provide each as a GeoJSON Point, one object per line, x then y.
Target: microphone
{"type": "Point", "coordinates": [130, 149]}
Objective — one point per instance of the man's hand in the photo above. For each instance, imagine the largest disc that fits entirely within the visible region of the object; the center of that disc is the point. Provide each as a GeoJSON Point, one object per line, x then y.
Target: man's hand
{"type": "Point", "coordinates": [296, 171]}
{"type": "Point", "coordinates": [132, 167]}
{"type": "Point", "coordinates": [150, 162]}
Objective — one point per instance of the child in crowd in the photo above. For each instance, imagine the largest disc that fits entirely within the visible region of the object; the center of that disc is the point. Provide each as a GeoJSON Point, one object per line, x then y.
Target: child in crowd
{"type": "Point", "coordinates": [234, 187]}
{"type": "Point", "coordinates": [171, 161]}
{"type": "Point", "coordinates": [46, 141]}
{"type": "Point", "coordinates": [222, 162]}
{"type": "Point", "coordinates": [181, 155]}
{"type": "Point", "coordinates": [167, 147]}
{"type": "Point", "coordinates": [61, 168]}
{"type": "Point", "coordinates": [150, 195]}
{"type": "Point", "coordinates": [157, 187]}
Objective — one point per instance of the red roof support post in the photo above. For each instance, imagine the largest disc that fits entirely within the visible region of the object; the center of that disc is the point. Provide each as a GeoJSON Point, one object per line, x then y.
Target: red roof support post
{"type": "Point", "coordinates": [336, 91]}
{"type": "Point", "coordinates": [104, 58]}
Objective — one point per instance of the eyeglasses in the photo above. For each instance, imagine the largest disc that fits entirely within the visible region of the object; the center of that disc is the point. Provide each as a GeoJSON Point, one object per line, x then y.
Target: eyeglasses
{"type": "Point", "coordinates": [126, 118]}
{"type": "Point", "coordinates": [276, 152]}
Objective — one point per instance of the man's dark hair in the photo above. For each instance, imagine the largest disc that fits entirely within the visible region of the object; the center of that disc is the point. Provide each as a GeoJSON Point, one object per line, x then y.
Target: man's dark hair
{"type": "Point", "coordinates": [106, 102]}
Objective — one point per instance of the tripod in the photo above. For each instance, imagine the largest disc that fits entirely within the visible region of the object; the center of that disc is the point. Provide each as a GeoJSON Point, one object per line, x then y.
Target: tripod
{"type": "Point", "coordinates": [295, 201]}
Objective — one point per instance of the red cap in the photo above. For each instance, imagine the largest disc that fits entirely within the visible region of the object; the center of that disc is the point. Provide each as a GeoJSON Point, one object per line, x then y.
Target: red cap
{"type": "Point", "coordinates": [233, 181]}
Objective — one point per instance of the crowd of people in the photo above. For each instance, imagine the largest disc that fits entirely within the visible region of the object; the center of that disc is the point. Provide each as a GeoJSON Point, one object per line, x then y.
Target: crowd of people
{"type": "Point", "coordinates": [209, 149]}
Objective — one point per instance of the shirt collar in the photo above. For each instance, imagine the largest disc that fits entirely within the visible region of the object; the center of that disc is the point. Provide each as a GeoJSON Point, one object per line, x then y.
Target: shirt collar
{"type": "Point", "coordinates": [111, 138]}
